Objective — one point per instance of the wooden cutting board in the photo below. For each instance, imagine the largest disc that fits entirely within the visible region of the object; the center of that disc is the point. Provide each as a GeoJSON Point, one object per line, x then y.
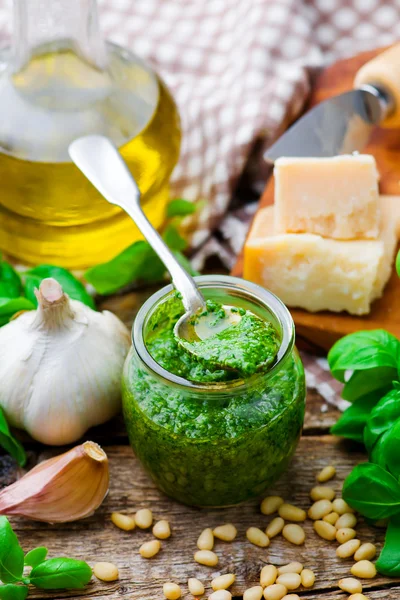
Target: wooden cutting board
{"type": "Point", "coordinates": [318, 331]}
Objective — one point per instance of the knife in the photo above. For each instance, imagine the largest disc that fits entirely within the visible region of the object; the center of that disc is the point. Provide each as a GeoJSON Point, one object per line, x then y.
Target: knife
{"type": "Point", "coordinates": [343, 124]}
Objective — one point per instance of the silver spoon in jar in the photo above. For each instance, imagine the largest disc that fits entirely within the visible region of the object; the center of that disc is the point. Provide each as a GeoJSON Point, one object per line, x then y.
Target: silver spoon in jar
{"type": "Point", "coordinates": [99, 160]}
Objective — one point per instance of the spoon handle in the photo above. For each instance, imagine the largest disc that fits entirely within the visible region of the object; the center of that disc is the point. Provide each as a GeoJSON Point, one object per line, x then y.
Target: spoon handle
{"type": "Point", "coordinates": [102, 164]}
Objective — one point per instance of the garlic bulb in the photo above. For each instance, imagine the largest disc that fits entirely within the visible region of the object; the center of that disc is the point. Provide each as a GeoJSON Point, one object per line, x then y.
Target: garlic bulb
{"type": "Point", "coordinates": [61, 366]}
{"type": "Point", "coordinates": [65, 488]}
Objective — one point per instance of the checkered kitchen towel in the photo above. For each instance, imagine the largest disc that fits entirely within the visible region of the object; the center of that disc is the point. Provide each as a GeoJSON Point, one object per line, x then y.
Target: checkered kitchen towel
{"type": "Point", "coordinates": [239, 71]}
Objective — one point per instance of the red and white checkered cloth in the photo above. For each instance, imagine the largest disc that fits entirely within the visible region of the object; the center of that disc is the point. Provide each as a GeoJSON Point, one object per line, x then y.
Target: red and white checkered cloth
{"type": "Point", "coordinates": [239, 71]}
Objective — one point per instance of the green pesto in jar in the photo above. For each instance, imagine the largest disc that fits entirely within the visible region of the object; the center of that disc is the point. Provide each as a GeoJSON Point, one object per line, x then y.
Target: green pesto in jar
{"type": "Point", "coordinates": [227, 442]}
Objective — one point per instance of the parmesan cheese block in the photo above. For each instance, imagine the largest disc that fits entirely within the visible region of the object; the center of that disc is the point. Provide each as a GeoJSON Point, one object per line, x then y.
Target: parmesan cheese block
{"type": "Point", "coordinates": [315, 273]}
{"type": "Point", "coordinates": [333, 197]}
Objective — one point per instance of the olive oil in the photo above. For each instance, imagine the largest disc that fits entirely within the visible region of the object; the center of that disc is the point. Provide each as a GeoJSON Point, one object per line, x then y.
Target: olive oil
{"type": "Point", "coordinates": [49, 212]}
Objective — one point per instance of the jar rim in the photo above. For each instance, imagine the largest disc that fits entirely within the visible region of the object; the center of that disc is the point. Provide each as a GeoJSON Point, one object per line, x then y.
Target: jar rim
{"type": "Point", "coordinates": [245, 289]}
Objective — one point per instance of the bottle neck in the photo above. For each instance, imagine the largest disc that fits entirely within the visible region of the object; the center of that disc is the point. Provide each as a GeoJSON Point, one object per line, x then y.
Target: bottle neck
{"type": "Point", "coordinates": [42, 26]}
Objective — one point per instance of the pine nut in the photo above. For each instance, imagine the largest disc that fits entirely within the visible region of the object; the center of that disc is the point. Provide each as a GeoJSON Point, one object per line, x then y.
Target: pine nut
{"type": "Point", "coordinates": [275, 527]}
{"type": "Point", "coordinates": [206, 557]}
{"type": "Point", "coordinates": [321, 492]}
{"type": "Point", "coordinates": [257, 537]}
{"type": "Point", "coordinates": [348, 548]}
{"type": "Point", "coordinates": [293, 567]}
{"type": "Point", "coordinates": [346, 520]}
{"type": "Point", "coordinates": [226, 533]}
{"type": "Point", "coordinates": [172, 591]}
{"type": "Point", "coordinates": [105, 571]}
{"type": "Point", "coordinates": [364, 569]}
{"type": "Point", "coordinates": [345, 534]}
{"type": "Point", "coordinates": [320, 509]}
{"type": "Point", "coordinates": [222, 582]}
{"type": "Point", "coordinates": [292, 513]}
{"type": "Point", "coordinates": [357, 597]}
{"type": "Point", "coordinates": [150, 549]}
{"type": "Point", "coordinates": [206, 540]}
{"type": "Point", "coordinates": [341, 507]}
{"type": "Point", "coordinates": [291, 597]}
{"type": "Point", "coordinates": [196, 587]}
{"type": "Point", "coordinates": [271, 504]}
{"type": "Point", "coordinates": [331, 518]}
{"type": "Point", "coordinates": [268, 575]}
{"type": "Point", "coordinates": [294, 534]}
{"type": "Point", "coordinates": [144, 518]}
{"type": "Point", "coordinates": [307, 578]}
{"type": "Point", "coordinates": [365, 552]}
{"type": "Point", "coordinates": [275, 592]}
{"type": "Point", "coordinates": [326, 474]}
{"type": "Point", "coordinates": [291, 581]}
{"type": "Point", "coordinates": [123, 521]}
{"type": "Point", "coordinates": [253, 593]}
{"type": "Point", "coordinates": [162, 530]}
{"type": "Point", "coordinates": [350, 585]}
{"type": "Point", "coordinates": [325, 530]}
{"type": "Point", "coordinates": [220, 595]}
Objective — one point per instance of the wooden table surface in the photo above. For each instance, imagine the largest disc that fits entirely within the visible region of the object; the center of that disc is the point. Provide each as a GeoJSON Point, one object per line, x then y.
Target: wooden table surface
{"type": "Point", "coordinates": [96, 539]}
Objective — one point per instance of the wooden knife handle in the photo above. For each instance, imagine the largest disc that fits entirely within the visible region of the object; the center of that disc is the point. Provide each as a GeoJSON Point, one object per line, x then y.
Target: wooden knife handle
{"type": "Point", "coordinates": [384, 71]}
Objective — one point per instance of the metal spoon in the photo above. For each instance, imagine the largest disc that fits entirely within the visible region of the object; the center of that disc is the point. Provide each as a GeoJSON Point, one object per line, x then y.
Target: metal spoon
{"type": "Point", "coordinates": [99, 160]}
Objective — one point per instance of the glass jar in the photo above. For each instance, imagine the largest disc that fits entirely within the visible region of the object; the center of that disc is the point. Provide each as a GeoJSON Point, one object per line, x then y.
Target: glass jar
{"type": "Point", "coordinates": [214, 444]}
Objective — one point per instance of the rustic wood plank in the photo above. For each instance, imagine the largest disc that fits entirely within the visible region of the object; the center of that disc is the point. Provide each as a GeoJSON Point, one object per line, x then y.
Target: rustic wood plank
{"type": "Point", "coordinates": [97, 539]}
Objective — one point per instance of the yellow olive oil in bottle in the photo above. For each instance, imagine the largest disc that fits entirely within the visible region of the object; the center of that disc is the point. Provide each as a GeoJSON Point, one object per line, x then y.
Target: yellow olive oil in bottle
{"type": "Point", "coordinates": [58, 82]}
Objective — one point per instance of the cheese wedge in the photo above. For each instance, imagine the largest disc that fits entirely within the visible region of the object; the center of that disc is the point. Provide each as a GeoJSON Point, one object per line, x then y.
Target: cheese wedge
{"type": "Point", "coordinates": [315, 273]}
{"type": "Point", "coordinates": [333, 197]}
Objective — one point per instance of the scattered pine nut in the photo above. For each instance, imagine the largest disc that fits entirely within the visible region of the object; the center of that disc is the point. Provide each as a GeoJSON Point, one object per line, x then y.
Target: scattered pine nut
{"type": "Point", "coordinates": [172, 591]}
{"type": "Point", "coordinates": [291, 597]}
{"type": "Point", "coordinates": [293, 567]}
{"type": "Point", "coordinates": [223, 582]}
{"type": "Point", "coordinates": [206, 557]}
{"type": "Point", "coordinates": [365, 552]}
{"type": "Point", "coordinates": [257, 537]}
{"type": "Point", "coordinates": [364, 569]}
{"type": "Point", "coordinates": [291, 581]}
{"type": "Point", "coordinates": [275, 592]}
{"type": "Point", "coordinates": [345, 534]}
{"type": "Point", "coordinates": [271, 504]}
{"type": "Point", "coordinates": [321, 492]}
{"type": "Point", "coordinates": [289, 512]}
{"type": "Point", "coordinates": [162, 530]}
{"type": "Point", "coordinates": [320, 509]}
{"type": "Point", "coordinates": [150, 549]}
{"type": "Point", "coordinates": [220, 595]}
{"type": "Point", "coordinates": [105, 571]}
{"type": "Point", "coordinates": [357, 597]}
{"type": "Point", "coordinates": [226, 533]}
{"type": "Point", "coordinates": [341, 507]}
{"type": "Point", "coordinates": [350, 585]}
{"type": "Point", "coordinates": [331, 518]}
{"type": "Point", "coordinates": [294, 534]}
{"type": "Point", "coordinates": [253, 593]}
{"type": "Point", "coordinates": [346, 520]}
{"type": "Point", "coordinates": [307, 578]}
{"type": "Point", "coordinates": [268, 575]}
{"type": "Point", "coordinates": [196, 587]}
{"type": "Point", "coordinates": [206, 540]}
{"type": "Point", "coordinates": [348, 548]}
{"type": "Point", "coordinates": [326, 474]}
{"type": "Point", "coordinates": [275, 527]}
{"type": "Point", "coordinates": [144, 518]}
{"type": "Point", "coordinates": [325, 530]}
{"type": "Point", "coordinates": [123, 521]}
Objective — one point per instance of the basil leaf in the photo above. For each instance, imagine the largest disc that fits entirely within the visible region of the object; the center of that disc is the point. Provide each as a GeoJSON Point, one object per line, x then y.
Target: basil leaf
{"type": "Point", "coordinates": [13, 592]}
{"type": "Point", "coordinates": [352, 422]}
{"type": "Point", "coordinates": [388, 562]}
{"type": "Point", "coordinates": [11, 554]}
{"type": "Point", "coordinates": [137, 262]}
{"type": "Point", "coordinates": [173, 238]}
{"type": "Point", "coordinates": [61, 573]}
{"type": "Point", "coordinates": [386, 451]}
{"type": "Point", "coordinates": [10, 281]}
{"type": "Point", "coordinates": [9, 443]}
{"type": "Point", "coordinates": [382, 417]}
{"type": "Point", "coordinates": [10, 306]}
{"type": "Point", "coordinates": [363, 350]}
{"type": "Point", "coordinates": [379, 379]}
{"type": "Point", "coordinates": [71, 286]}
{"type": "Point", "coordinates": [180, 208]}
{"type": "Point", "coordinates": [35, 556]}
{"type": "Point", "coordinates": [372, 491]}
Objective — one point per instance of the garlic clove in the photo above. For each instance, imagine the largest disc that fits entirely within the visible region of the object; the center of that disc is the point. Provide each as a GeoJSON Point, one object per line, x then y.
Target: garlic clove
{"type": "Point", "coordinates": [64, 488]}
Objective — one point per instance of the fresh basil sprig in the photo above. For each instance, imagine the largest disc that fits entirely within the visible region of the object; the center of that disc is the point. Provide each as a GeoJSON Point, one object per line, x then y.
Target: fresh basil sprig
{"type": "Point", "coordinates": [10, 281]}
